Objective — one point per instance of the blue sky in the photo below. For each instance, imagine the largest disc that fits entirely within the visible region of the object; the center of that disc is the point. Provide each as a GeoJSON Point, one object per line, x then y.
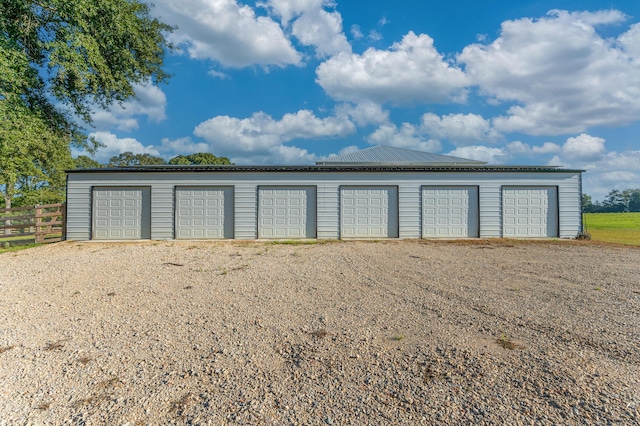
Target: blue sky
{"type": "Point", "coordinates": [293, 81]}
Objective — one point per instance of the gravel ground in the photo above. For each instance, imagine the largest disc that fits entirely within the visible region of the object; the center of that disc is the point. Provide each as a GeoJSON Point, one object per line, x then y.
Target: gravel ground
{"type": "Point", "coordinates": [411, 332]}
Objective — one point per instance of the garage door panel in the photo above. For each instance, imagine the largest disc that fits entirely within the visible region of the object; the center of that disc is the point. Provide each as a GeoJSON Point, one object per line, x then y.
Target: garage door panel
{"type": "Point", "coordinates": [536, 214]}
{"type": "Point", "coordinates": [455, 215]}
{"type": "Point", "coordinates": [205, 212]}
{"type": "Point", "coordinates": [375, 214]}
{"type": "Point", "coordinates": [287, 212]}
{"type": "Point", "coordinates": [121, 213]}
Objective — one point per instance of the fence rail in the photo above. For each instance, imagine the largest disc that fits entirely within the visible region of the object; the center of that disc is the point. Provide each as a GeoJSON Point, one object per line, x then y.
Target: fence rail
{"type": "Point", "coordinates": [32, 224]}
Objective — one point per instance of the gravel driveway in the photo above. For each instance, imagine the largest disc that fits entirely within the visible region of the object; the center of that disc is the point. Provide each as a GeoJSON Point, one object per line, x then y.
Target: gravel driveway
{"type": "Point", "coordinates": [402, 332]}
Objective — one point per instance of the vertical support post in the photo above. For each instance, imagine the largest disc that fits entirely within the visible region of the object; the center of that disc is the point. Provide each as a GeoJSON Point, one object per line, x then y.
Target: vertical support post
{"type": "Point", "coordinates": [39, 237]}
{"type": "Point", "coordinates": [63, 219]}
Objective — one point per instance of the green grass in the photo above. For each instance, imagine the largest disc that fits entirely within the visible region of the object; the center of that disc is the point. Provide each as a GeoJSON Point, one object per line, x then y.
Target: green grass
{"type": "Point", "coordinates": [4, 249]}
{"type": "Point", "coordinates": [621, 228]}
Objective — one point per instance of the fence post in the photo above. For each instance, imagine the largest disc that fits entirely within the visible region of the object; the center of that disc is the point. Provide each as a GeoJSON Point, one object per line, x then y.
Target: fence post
{"type": "Point", "coordinates": [63, 219]}
{"type": "Point", "coordinates": [39, 238]}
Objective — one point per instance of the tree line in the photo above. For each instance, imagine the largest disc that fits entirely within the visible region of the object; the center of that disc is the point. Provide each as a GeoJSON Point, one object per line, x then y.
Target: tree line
{"type": "Point", "coordinates": [128, 159]}
{"type": "Point", "coordinates": [38, 188]}
{"type": "Point", "coordinates": [616, 201]}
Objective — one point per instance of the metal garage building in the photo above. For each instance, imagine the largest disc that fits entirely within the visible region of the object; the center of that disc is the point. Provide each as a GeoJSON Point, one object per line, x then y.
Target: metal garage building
{"type": "Point", "coordinates": [380, 192]}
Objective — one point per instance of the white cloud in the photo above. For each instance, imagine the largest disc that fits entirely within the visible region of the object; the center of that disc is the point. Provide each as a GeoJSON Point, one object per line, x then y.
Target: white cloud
{"type": "Point", "coordinates": [614, 170]}
{"type": "Point", "coordinates": [481, 153]}
{"type": "Point", "coordinates": [407, 136]}
{"type": "Point", "coordinates": [561, 74]}
{"type": "Point", "coordinates": [323, 30]}
{"type": "Point", "coordinates": [227, 32]}
{"type": "Point", "coordinates": [459, 129]}
{"type": "Point", "coordinates": [150, 101]}
{"type": "Point", "coordinates": [312, 24]}
{"type": "Point", "coordinates": [260, 133]}
{"type": "Point", "coordinates": [292, 155]}
{"type": "Point", "coordinates": [630, 41]}
{"type": "Point", "coordinates": [600, 17]}
{"type": "Point", "coordinates": [374, 35]}
{"type": "Point", "coordinates": [182, 146]}
{"type": "Point", "coordinates": [217, 74]}
{"type": "Point", "coordinates": [348, 150]}
{"type": "Point", "coordinates": [114, 146]}
{"type": "Point", "coordinates": [356, 32]}
{"type": "Point", "coordinates": [604, 170]}
{"type": "Point", "coordinates": [410, 71]}
{"type": "Point", "coordinates": [288, 10]}
{"type": "Point", "coordinates": [364, 113]}
{"type": "Point", "coordinates": [518, 147]}
{"type": "Point", "coordinates": [546, 148]}
{"type": "Point", "coordinates": [584, 147]}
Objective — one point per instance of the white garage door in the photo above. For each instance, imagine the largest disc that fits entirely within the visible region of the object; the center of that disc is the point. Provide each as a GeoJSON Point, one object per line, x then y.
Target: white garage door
{"type": "Point", "coordinates": [369, 212]}
{"type": "Point", "coordinates": [121, 213]}
{"type": "Point", "coordinates": [287, 212]}
{"type": "Point", "coordinates": [450, 212]}
{"type": "Point", "coordinates": [530, 211]}
{"type": "Point", "coordinates": [204, 212]}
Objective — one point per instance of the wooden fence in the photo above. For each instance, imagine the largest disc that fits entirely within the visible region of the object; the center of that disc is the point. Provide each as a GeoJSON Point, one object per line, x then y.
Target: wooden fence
{"type": "Point", "coordinates": [32, 224]}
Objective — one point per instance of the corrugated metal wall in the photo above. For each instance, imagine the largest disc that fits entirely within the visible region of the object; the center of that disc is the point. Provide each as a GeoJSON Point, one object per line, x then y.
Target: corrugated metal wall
{"type": "Point", "coordinates": [328, 197]}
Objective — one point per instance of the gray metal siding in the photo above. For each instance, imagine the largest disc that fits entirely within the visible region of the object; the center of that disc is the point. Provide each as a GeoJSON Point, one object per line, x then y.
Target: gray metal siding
{"type": "Point", "coordinates": [409, 211]}
{"type": "Point", "coordinates": [328, 211]}
{"type": "Point", "coordinates": [162, 206]}
{"type": "Point", "coordinates": [246, 204]}
{"type": "Point", "coordinates": [328, 208]}
{"type": "Point", "coordinates": [490, 210]}
{"type": "Point", "coordinates": [570, 207]}
{"type": "Point", "coordinates": [78, 210]}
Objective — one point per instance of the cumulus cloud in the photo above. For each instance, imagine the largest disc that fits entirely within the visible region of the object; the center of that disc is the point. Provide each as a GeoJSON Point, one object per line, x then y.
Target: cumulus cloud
{"type": "Point", "coordinates": [612, 170]}
{"type": "Point", "coordinates": [181, 146]}
{"type": "Point", "coordinates": [411, 71]}
{"type": "Point", "coordinates": [560, 74]}
{"type": "Point", "coordinates": [227, 32]}
{"type": "Point", "coordinates": [584, 147]}
{"type": "Point", "coordinates": [459, 129]}
{"type": "Point", "coordinates": [114, 146]}
{"type": "Point", "coordinates": [150, 101]}
{"type": "Point", "coordinates": [481, 153]}
{"type": "Point", "coordinates": [407, 136]}
{"type": "Point", "coordinates": [364, 113]}
{"type": "Point", "coordinates": [312, 24]}
{"type": "Point", "coordinates": [630, 41]}
{"type": "Point", "coordinates": [260, 133]}
{"type": "Point", "coordinates": [518, 147]}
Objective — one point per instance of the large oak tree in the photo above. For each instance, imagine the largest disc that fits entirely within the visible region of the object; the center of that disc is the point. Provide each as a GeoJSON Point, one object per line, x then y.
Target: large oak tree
{"type": "Point", "coordinates": [59, 59]}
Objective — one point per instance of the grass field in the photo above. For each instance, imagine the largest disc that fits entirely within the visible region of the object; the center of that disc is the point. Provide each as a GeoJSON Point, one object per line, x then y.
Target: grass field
{"type": "Point", "coordinates": [623, 228]}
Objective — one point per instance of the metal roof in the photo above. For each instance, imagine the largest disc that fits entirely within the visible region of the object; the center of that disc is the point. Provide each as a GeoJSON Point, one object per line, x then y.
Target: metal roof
{"type": "Point", "coordinates": [390, 155]}
{"type": "Point", "coordinates": [333, 168]}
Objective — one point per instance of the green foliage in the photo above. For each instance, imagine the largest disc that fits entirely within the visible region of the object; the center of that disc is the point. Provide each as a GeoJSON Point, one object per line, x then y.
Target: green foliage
{"type": "Point", "coordinates": [127, 159]}
{"type": "Point", "coordinates": [59, 59]}
{"type": "Point", "coordinates": [84, 162]}
{"type": "Point", "coordinates": [199, 158]}
{"type": "Point", "coordinates": [616, 201]}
